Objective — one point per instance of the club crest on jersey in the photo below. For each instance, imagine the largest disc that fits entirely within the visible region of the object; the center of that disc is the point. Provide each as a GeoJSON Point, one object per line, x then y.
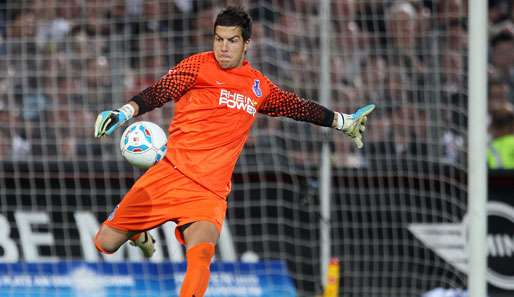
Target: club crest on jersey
{"type": "Point", "coordinates": [237, 101]}
{"type": "Point", "coordinates": [256, 88]}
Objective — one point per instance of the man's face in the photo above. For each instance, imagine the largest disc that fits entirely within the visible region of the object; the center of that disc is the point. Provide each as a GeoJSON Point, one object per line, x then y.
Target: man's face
{"type": "Point", "coordinates": [229, 46]}
{"type": "Point", "coordinates": [402, 26]}
{"type": "Point", "coordinates": [503, 54]}
{"type": "Point", "coordinates": [499, 92]}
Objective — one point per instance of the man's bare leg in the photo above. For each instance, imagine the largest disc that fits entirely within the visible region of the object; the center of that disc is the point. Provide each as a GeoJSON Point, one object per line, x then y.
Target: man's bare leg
{"type": "Point", "coordinates": [108, 240]}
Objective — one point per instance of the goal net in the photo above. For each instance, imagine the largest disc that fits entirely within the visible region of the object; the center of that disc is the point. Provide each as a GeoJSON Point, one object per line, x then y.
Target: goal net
{"type": "Point", "coordinates": [396, 206]}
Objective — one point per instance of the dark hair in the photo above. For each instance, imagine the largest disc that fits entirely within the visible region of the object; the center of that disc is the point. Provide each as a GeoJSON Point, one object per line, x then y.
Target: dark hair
{"type": "Point", "coordinates": [235, 16]}
{"type": "Point", "coordinates": [501, 37]}
{"type": "Point", "coordinates": [502, 117]}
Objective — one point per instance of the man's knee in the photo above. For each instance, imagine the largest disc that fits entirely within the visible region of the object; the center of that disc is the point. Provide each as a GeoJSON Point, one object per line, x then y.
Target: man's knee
{"type": "Point", "coordinates": [103, 246]}
{"type": "Point", "coordinates": [199, 232]}
{"type": "Point", "coordinates": [108, 242]}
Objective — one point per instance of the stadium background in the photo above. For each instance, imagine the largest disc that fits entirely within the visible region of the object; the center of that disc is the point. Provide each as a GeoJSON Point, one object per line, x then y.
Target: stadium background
{"type": "Point", "coordinates": [63, 61]}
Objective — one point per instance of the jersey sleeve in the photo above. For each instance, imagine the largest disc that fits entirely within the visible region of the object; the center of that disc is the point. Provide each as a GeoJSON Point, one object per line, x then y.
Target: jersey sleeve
{"type": "Point", "coordinates": [171, 86]}
{"type": "Point", "coordinates": [281, 103]}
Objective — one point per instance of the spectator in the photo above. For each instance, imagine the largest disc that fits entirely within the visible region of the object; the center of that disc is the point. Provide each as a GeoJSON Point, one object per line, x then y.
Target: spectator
{"type": "Point", "coordinates": [399, 86]}
{"type": "Point", "coordinates": [404, 140]}
{"type": "Point", "coordinates": [401, 26]}
{"type": "Point", "coordinates": [98, 84]}
{"type": "Point", "coordinates": [452, 69]}
{"type": "Point", "coordinates": [151, 20]}
{"type": "Point", "coordinates": [344, 11]}
{"type": "Point", "coordinates": [498, 93]}
{"type": "Point", "coordinates": [30, 89]}
{"type": "Point", "coordinates": [374, 76]}
{"type": "Point", "coordinates": [450, 12]}
{"type": "Point", "coordinates": [154, 12]}
{"type": "Point", "coordinates": [452, 144]}
{"type": "Point", "coordinates": [302, 73]}
{"type": "Point", "coordinates": [499, 15]}
{"type": "Point", "coordinates": [22, 50]}
{"type": "Point", "coordinates": [501, 149]}
{"type": "Point", "coordinates": [52, 24]}
{"type": "Point", "coordinates": [68, 119]}
{"type": "Point", "coordinates": [457, 38]}
{"type": "Point", "coordinates": [203, 28]}
{"type": "Point", "coordinates": [502, 56]}
{"type": "Point", "coordinates": [149, 65]}
{"type": "Point", "coordinates": [350, 48]}
{"type": "Point", "coordinates": [12, 145]}
{"type": "Point", "coordinates": [259, 40]}
{"type": "Point", "coordinates": [117, 16]}
{"type": "Point", "coordinates": [295, 30]}
{"type": "Point", "coordinates": [23, 26]}
{"type": "Point", "coordinates": [424, 25]}
{"type": "Point", "coordinates": [264, 47]}
{"type": "Point", "coordinates": [401, 136]}
{"type": "Point", "coordinates": [345, 156]}
{"type": "Point", "coordinates": [95, 17]}
{"type": "Point", "coordinates": [82, 43]}
{"type": "Point", "coordinates": [349, 43]}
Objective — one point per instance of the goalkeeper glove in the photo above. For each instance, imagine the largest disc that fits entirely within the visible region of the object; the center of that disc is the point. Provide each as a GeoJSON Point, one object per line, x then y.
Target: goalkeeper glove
{"type": "Point", "coordinates": [107, 121]}
{"type": "Point", "coordinates": [354, 124]}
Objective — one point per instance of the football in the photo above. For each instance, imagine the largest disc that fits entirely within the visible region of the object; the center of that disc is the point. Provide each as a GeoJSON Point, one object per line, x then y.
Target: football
{"type": "Point", "coordinates": [143, 144]}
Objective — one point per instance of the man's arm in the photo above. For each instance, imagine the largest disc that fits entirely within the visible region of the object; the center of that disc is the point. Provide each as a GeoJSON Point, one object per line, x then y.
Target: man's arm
{"type": "Point", "coordinates": [169, 87]}
{"type": "Point", "coordinates": [135, 107]}
{"type": "Point", "coordinates": [335, 121]}
{"type": "Point", "coordinates": [281, 103]}
{"type": "Point", "coordinates": [288, 104]}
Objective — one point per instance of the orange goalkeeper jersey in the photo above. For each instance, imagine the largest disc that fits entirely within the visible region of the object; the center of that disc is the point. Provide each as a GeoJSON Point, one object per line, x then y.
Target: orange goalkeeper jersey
{"type": "Point", "coordinates": [214, 111]}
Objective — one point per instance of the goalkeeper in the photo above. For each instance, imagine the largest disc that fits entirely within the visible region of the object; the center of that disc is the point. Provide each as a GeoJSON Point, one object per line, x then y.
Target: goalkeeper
{"type": "Point", "coordinates": [217, 95]}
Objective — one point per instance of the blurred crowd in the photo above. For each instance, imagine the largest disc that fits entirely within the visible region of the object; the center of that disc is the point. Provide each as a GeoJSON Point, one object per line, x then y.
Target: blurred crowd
{"type": "Point", "coordinates": [63, 61]}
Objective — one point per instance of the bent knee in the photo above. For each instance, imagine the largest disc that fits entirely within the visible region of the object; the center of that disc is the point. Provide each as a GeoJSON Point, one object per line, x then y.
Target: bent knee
{"type": "Point", "coordinates": [200, 232]}
{"type": "Point", "coordinates": [104, 244]}
{"type": "Point", "coordinates": [104, 248]}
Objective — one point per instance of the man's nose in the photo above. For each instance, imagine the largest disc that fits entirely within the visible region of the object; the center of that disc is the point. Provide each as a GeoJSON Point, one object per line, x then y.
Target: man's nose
{"type": "Point", "coordinates": [224, 46]}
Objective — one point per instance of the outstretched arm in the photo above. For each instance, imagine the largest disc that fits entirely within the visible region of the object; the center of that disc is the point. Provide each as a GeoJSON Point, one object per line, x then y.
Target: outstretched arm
{"type": "Point", "coordinates": [281, 103]}
{"type": "Point", "coordinates": [169, 87]}
{"type": "Point", "coordinates": [288, 104]}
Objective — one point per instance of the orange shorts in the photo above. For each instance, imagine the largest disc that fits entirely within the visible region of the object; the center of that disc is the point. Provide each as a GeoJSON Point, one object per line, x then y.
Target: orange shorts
{"type": "Point", "coordinates": [164, 194]}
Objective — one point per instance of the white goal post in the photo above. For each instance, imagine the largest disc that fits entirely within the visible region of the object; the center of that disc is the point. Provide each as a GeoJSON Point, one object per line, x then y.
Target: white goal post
{"type": "Point", "coordinates": [477, 135]}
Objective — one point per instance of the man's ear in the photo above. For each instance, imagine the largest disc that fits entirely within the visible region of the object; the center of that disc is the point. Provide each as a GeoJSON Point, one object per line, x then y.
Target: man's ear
{"type": "Point", "coordinates": [247, 45]}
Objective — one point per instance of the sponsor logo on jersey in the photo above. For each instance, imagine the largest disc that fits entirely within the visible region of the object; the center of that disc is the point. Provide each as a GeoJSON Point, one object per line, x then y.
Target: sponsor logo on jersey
{"type": "Point", "coordinates": [256, 88]}
{"type": "Point", "coordinates": [237, 101]}
{"type": "Point", "coordinates": [449, 241]}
